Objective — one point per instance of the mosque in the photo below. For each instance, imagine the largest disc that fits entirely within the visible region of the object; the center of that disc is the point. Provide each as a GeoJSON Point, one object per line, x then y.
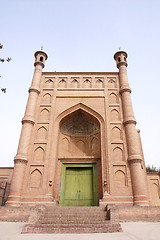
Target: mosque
{"type": "Point", "coordinates": [79, 145]}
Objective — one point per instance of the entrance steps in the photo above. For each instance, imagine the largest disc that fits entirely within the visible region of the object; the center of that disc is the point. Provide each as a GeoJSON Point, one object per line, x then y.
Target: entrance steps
{"type": "Point", "coordinates": [70, 220]}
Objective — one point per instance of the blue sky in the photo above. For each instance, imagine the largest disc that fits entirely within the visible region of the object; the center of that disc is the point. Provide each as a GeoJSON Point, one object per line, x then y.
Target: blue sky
{"type": "Point", "coordinates": [80, 35]}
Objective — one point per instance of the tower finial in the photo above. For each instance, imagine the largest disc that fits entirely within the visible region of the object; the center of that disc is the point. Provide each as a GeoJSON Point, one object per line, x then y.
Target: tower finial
{"type": "Point", "coordinates": [121, 58]}
{"type": "Point", "coordinates": [41, 48]}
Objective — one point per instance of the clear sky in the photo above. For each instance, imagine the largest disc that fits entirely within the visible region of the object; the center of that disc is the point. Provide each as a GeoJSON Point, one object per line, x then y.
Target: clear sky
{"type": "Point", "coordinates": [80, 35]}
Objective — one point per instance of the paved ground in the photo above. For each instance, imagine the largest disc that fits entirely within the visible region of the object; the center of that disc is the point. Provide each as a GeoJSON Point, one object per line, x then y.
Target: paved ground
{"type": "Point", "coordinates": [131, 231]}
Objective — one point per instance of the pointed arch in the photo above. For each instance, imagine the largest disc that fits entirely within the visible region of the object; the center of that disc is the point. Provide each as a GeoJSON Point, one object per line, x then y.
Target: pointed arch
{"type": "Point", "coordinates": [84, 108]}
{"type": "Point", "coordinates": [62, 83]}
{"type": "Point", "coordinates": [65, 144]}
{"type": "Point", "coordinates": [49, 80]}
{"type": "Point", "coordinates": [47, 98]}
{"type": "Point", "coordinates": [112, 83]}
{"type": "Point", "coordinates": [87, 83]}
{"type": "Point", "coordinates": [74, 83]}
{"type": "Point", "coordinates": [44, 114]}
{"type": "Point", "coordinates": [80, 145]}
{"type": "Point", "coordinates": [95, 146]}
{"type": "Point", "coordinates": [113, 98]}
{"type": "Point", "coordinates": [99, 83]}
{"type": "Point", "coordinates": [35, 178]}
{"type": "Point", "coordinates": [114, 115]}
{"type": "Point", "coordinates": [49, 83]}
{"type": "Point", "coordinates": [39, 154]}
{"type": "Point", "coordinates": [74, 153]}
{"type": "Point", "coordinates": [117, 154]}
{"type": "Point", "coordinates": [119, 178]}
{"type": "Point", "coordinates": [42, 133]}
{"type": "Point", "coordinates": [116, 133]}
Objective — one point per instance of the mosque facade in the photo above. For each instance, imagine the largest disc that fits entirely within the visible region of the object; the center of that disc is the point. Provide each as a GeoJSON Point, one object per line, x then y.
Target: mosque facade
{"type": "Point", "coordinates": [79, 145]}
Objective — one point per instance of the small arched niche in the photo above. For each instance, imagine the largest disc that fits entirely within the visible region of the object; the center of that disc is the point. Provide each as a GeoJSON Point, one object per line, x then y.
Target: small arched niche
{"type": "Point", "coordinates": [112, 83]}
{"type": "Point", "coordinates": [42, 133]}
{"type": "Point", "coordinates": [35, 178]}
{"type": "Point", "coordinates": [39, 154]}
{"type": "Point", "coordinates": [116, 133]}
{"type": "Point", "coordinates": [117, 154]}
{"type": "Point", "coordinates": [44, 114]}
{"type": "Point", "coordinates": [49, 83]}
{"type": "Point", "coordinates": [112, 98]}
{"type": "Point", "coordinates": [119, 179]}
{"type": "Point", "coordinates": [74, 83]}
{"type": "Point", "coordinates": [47, 98]}
{"type": "Point", "coordinates": [62, 83]}
{"type": "Point", "coordinates": [114, 115]}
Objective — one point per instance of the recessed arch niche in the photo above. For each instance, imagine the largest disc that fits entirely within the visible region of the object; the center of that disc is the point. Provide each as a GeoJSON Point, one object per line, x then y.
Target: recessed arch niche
{"type": "Point", "coordinates": [79, 129]}
{"type": "Point", "coordinates": [80, 141]}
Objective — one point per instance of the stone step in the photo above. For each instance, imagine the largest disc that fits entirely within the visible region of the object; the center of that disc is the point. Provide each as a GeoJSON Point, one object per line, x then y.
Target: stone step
{"type": "Point", "coordinates": [64, 220]}
{"type": "Point", "coordinates": [71, 225]}
{"type": "Point", "coordinates": [70, 220]}
{"type": "Point", "coordinates": [74, 215]}
{"type": "Point", "coordinates": [91, 208]}
{"type": "Point", "coordinates": [74, 211]}
{"type": "Point", "coordinates": [35, 229]}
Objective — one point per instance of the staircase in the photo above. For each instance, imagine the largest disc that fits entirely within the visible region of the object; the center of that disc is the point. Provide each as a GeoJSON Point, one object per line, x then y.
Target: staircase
{"type": "Point", "coordinates": [70, 220]}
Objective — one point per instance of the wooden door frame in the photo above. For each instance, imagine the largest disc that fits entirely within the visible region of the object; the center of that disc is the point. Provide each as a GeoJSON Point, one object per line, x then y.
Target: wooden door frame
{"type": "Point", "coordinates": [80, 165]}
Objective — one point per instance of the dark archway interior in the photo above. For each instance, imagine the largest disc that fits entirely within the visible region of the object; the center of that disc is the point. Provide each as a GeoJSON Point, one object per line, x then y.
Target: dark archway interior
{"type": "Point", "coordinates": [79, 123]}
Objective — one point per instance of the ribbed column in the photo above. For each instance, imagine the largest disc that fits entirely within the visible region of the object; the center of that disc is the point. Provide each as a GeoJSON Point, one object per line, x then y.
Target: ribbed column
{"type": "Point", "coordinates": [134, 151]}
{"type": "Point", "coordinates": [21, 158]}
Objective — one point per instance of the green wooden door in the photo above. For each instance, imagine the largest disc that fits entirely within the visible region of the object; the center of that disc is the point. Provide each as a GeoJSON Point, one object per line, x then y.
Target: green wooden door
{"type": "Point", "coordinates": [78, 186]}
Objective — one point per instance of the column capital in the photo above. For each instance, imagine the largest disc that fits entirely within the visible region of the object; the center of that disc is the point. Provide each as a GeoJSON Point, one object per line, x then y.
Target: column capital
{"type": "Point", "coordinates": [129, 120]}
{"type": "Point", "coordinates": [34, 89]}
{"type": "Point", "coordinates": [124, 89]}
{"type": "Point", "coordinates": [28, 119]}
{"type": "Point", "coordinates": [20, 159]}
{"type": "Point", "coordinates": [134, 159]}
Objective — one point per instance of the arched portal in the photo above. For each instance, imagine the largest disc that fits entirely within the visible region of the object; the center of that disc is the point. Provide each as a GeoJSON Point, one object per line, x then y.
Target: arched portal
{"type": "Point", "coordinates": [80, 155]}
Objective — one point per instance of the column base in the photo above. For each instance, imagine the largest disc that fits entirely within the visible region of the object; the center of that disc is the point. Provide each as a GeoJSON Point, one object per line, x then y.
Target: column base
{"type": "Point", "coordinates": [140, 200]}
{"type": "Point", "coordinates": [116, 200]}
{"type": "Point", "coordinates": [31, 201]}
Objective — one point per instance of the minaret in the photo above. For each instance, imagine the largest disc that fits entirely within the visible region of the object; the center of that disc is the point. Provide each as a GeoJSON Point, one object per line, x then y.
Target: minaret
{"type": "Point", "coordinates": [21, 158]}
{"type": "Point", "coordinates": [134, 151]}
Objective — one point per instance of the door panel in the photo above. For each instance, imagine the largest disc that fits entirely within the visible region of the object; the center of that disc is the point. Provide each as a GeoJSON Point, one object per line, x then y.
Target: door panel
{"type": "Point", "coordinates": [86, 187]}
{"type": "Point", "coordinates": [78, 189]}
